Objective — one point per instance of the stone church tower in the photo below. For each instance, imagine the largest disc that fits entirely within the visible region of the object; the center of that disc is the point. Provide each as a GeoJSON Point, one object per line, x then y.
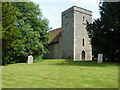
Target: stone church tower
{"type": "Point", "coordinates": [75, 41]}
{"type": "Point", "coordinates": [71, 41]}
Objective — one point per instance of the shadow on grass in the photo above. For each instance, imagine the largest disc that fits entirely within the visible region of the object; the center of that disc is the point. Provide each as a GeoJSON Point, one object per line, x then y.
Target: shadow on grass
{"type": "Point", "coordinates": [83, 63]}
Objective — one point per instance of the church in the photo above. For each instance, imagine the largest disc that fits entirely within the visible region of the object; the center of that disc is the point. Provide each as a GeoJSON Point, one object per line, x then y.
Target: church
{"type": "Point", "coordinates": [71, 41]}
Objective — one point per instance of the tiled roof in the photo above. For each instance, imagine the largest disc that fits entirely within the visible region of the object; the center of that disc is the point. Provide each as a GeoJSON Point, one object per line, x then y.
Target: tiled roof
{"type": "Point", "coordinates": [55, 35]}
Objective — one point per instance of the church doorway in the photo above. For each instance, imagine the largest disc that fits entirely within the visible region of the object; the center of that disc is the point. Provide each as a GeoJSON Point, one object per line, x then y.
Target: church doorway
{"type": "Point", "coordinates": [83, 55]}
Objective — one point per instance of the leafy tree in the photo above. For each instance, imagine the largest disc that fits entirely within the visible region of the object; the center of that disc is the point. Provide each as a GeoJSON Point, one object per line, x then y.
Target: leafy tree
{"type": "Point", "coordinates": [33, 27]}
{"type": "Point", "coordinates": [10, 33]}
{"type": "Point", "coordinates": [105, 31]}
{"type": "Point", "coordinates": [24, 31]}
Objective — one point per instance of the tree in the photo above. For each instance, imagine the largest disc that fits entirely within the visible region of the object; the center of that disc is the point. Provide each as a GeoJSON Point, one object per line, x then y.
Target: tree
{"type": "Point", "coordinates": [10, 33]}
{"type": "Point", "coordinates": [105, 31]}
{"type": "Point", "coordinates": [24, 31]}
{"type": "Point", "coordinates": [33, 27]}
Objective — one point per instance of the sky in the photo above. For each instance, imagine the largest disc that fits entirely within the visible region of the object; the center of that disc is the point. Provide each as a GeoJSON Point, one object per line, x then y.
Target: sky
{"type": "Point", "coordinates": [52, 9]}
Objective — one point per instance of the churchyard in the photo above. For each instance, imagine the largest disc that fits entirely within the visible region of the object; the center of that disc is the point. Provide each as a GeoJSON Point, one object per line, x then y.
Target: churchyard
{"type": "Point", "coordinates": [26, 34]}
{"type": "Point", "coordinates": [60, 73]}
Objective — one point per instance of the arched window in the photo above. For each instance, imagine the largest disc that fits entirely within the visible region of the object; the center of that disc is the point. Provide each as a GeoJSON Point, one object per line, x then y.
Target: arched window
{"type": "Point", "coordinates": [83, 18]}
{"type": "Point", "coordinates": [83, 42]}
{"type": "Point", "coordinates": [66, 17]}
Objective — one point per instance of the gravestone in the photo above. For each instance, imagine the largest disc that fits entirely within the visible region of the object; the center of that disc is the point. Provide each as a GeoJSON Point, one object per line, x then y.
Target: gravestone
{"type": "Point", "coordinates": [100, 58]}
{"type": "Point", "coordinates": [30, 59]}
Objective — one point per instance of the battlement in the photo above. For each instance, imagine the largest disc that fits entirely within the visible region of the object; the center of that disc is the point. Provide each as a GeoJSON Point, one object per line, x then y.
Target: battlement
{"type": "Point", "coordinates": [78, 9]}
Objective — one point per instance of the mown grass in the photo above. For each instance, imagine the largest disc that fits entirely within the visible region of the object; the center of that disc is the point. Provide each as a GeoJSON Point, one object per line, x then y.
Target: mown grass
{"type": "Point", "coordinates": [60, 73]}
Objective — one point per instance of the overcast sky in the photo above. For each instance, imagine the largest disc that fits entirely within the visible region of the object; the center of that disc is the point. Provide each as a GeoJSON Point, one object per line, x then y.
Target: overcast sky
{"type": "Point", "coordinates": [51, 9]}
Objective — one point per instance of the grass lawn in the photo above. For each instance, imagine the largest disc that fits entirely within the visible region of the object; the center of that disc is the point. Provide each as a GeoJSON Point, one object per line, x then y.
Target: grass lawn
{"type": "Point", "coordinates": [59, 73]}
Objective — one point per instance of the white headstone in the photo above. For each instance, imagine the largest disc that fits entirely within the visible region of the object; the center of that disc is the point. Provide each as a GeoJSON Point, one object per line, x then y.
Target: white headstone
{"type": "Point", "coordinates": [30, 59]}
{"type": "Point", "coordinates": [100, 58]}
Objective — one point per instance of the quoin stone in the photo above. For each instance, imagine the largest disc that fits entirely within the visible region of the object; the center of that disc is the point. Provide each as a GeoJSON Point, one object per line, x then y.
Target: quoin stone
{"type": "Point", "coordinates": [30, 59]}
{"type": "Point", "coordinates": [100, 58]}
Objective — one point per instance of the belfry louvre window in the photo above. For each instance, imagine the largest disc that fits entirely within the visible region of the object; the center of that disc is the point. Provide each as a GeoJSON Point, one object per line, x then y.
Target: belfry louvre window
{"type": "Point", "coordinates": [83, 18]}
{"type": "Point", "coordinates": [83, 42]}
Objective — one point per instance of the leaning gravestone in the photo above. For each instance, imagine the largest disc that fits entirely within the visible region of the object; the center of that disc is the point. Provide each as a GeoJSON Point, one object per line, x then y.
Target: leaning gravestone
{"type": "Point", "coordinates": [30, 59]}
{"type": "Point", "coordinates": [100, 58]}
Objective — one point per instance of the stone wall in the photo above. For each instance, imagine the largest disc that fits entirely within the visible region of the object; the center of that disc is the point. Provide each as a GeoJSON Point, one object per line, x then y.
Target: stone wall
{"type": "Point", "coordinates": [73, 33]}
{"type": "Point", "coordinates": [67, 33]}
{"type": "Point", "coordinates": [53, 51]}
{"type": "Point", "coordinates": [80, 33]}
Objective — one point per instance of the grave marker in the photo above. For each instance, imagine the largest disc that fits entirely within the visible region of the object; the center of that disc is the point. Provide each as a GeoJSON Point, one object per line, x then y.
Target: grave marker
{"type": "Point", "coordinates": [100, 58]}
{"type": "Point", "coordinates": [30, 59]}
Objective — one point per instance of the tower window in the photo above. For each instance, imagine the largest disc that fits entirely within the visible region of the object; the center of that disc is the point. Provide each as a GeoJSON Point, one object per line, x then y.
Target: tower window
{"type": "Point", "coordinates": [83, 42]}
{"type": "Point", "coordinates": [66, 17]}
{"type": "Point", "coordinates": [83, 18]}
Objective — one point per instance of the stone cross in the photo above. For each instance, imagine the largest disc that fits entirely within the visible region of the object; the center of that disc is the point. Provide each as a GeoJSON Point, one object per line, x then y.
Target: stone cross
{"type": "Point", "coordinates": [30, 59]}
{"type": "Point", "coordinates": [100, 58]}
